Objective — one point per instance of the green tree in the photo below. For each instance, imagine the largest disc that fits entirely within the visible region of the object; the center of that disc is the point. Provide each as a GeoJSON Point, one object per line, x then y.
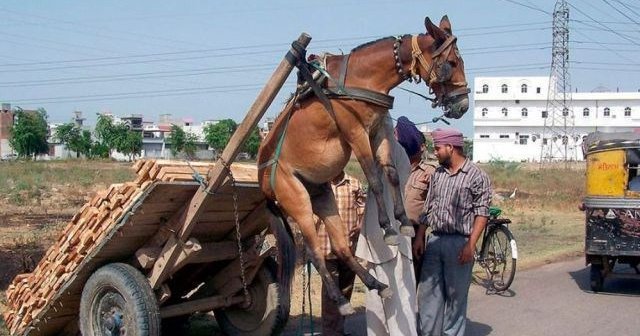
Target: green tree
{"type": "Point", "coordinates": [190, 146]}
{"type": "Point", "coordinates": [252, 144]}
{"type": "Point", "coordinates": [86, 144]}
{"type": "Point", "coordinates": [29, 133]}
{"type": "Point", "coordinates": [177, 139]}
{"type": "Point", "coordinates": [468, 149]}
{"type": "Point", "coordinates": [105, 133]}
{"type": "Point", "coordinates": [117, 137]}
{"type": "Point", "coordinates": [129, 142]}
{"type": "Point", "coordinates": [70, 135]}
{"type": "Point", "coordinates": [218, 135]}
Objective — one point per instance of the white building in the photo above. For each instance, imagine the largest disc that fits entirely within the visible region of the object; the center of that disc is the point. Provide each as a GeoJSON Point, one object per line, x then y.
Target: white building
{"type": "Point", "coordinates": [509, 117]}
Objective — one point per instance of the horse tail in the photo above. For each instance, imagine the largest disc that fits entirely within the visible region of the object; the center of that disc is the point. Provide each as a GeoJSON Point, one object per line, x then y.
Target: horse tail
{"type": "Point", "coordinates": [286, 256]}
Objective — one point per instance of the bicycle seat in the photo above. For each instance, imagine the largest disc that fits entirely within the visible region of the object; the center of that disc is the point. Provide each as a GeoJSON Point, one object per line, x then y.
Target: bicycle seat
{"type": "Point", "coordinates": [499, 221]}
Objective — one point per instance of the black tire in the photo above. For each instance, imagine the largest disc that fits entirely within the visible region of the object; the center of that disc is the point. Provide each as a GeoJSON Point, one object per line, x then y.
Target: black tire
{"type": "Point", "coordinates": [263, 316]}
{"type": "Point", "coordinates": [500, 256]}
{"type": "Point", "coordinates": [596, 277]}
{"type": "Point", "coordinates": [118, 295]}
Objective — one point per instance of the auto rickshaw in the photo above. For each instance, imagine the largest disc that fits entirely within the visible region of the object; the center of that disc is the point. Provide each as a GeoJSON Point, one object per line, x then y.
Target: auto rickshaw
{"type": "Point", "coordinates": [612, 205]}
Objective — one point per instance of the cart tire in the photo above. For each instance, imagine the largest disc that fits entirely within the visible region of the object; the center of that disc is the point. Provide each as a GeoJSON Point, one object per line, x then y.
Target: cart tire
{"type": "Point", "coordinates": [597, 278]}
{"type": "Point", "coordinates": [118, 300]}
{"type": "Point", "coordinates": [263, 316]}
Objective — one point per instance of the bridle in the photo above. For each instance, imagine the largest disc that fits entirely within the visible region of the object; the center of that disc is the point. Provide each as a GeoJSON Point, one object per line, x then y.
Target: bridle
{"type": "Point", "coordinates": [438, 70]}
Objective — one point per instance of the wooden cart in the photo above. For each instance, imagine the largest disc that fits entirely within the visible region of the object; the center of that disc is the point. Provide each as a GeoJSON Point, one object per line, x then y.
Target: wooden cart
{"type": "Point", "coordinates": [181, 238]}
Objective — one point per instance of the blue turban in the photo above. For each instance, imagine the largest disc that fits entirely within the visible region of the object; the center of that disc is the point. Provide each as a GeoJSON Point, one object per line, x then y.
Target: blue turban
{"type": "Point", "coordinates": [409, 136]}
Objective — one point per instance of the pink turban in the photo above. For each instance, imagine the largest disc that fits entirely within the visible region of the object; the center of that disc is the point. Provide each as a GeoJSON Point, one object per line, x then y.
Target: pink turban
{"type": "Point", "coordinates": [448, 136]}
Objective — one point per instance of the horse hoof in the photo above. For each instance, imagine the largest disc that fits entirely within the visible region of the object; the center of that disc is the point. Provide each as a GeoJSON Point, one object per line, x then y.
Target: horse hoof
{"type": "Point", "coordinates": [407, 230]}
{"type": "Point", "coordinates": [346, 309]}
{"type": "Point", "coordinates": [391, 238]}
{"type": "Point", "coordinates": [385, 293]}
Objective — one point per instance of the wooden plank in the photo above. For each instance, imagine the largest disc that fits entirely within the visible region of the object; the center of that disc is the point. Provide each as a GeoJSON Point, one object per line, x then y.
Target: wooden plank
{"type": "Point", "coordinates": [203, 305]}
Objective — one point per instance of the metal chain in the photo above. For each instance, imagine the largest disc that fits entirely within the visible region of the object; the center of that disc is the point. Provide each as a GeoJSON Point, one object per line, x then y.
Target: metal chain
{"type": "Point", "coordinates": [238, 236]}
{"type": "Point", "coordinates": [202, 182]}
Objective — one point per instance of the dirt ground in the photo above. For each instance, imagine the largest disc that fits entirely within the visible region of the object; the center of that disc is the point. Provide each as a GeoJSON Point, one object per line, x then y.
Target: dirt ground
{"type": "Point", "coordinates": [38, 199]}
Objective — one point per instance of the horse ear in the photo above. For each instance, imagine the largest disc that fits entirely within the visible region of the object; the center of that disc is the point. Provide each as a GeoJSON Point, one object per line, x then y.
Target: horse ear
{"type": "Point", "coordinates": [435, 31]}
{"type": "Point", "coordinates": [445, 25]}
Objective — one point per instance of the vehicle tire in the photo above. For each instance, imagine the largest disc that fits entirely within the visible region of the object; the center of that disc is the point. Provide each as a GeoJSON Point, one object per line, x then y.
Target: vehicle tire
{"type": "Point", "coordinates": [500, 256]}
{"type": "Point", "coordinates": [262, 316]}
{"type": "Point", "coordinates": [596, 277]}
{"type": "Point", "coordinates": [118, 300]}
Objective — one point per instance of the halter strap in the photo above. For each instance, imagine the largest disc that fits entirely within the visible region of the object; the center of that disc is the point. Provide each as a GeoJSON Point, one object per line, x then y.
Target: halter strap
{"type": "Point", "coordinates": [416, 54]}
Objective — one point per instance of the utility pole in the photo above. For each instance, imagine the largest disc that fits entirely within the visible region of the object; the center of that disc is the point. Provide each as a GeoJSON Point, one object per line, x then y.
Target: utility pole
{"type": "Point", "coordinates": [558, 136]}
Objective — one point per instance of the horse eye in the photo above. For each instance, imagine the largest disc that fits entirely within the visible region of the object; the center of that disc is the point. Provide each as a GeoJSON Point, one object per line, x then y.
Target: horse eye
{"type": "Point", "coordinates": [452, 64]}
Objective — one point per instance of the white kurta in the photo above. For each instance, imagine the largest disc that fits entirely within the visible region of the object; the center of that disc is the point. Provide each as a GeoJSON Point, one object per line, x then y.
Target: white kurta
{"type": "Point", "coordinates": [389, 264]}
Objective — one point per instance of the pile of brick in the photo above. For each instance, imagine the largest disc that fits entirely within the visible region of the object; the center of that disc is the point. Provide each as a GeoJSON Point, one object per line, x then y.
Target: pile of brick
{"type": "Point", "coordinates": [30, 293]}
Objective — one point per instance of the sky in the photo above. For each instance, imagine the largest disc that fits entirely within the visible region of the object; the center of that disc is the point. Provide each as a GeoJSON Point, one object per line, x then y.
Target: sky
{"type": "Point", "coordinates": [208, 60]}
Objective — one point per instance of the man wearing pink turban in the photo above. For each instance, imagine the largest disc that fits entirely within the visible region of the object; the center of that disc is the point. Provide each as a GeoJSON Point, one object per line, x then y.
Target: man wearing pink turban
{"type": "Point", "coordinates": [456, 209]}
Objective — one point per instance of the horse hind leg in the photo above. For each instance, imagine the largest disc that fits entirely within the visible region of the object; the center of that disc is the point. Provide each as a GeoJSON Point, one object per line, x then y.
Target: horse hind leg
{"type": "Point", "coordinates": [406, 228]}
{"type": "Point", "coordinates": [295, 201]}
{"type": "Point", "coordinates": [325, 207]}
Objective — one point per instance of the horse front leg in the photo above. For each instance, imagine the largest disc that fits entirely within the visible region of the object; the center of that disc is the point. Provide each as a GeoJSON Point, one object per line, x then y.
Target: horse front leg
{"type": "Point", "coordinates": [324, 206]}
{"type": "Point", "coordinates": [361, 147]}
{"type": "Point", "coordinates": [383, 146]}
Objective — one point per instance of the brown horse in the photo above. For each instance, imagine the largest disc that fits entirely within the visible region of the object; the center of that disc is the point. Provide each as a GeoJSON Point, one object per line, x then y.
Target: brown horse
{"type": "Point", "coordinates": [312, 142]}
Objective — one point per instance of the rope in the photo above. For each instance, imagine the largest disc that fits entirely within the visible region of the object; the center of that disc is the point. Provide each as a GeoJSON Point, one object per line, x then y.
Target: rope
{"type": "Point", "coordinates": [306, 294]}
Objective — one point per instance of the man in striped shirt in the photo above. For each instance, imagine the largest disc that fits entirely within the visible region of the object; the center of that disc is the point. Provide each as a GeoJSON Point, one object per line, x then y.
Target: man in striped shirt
{"type": "Point", "coordinates": [350, 200]}
{"type": "Point", "coordinates": [457, 209]}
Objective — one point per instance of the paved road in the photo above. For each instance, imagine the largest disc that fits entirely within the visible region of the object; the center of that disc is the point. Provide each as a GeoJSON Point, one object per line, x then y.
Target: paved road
{"type": "Point", "coordinates": [551, 300]}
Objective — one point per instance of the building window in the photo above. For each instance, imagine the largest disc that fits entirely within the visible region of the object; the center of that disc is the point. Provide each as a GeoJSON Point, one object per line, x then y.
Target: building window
{"type": "Point", "coordinates": [607, 112]}
{"type": "Point", "coordinates": [504, 136]}
{"type": "Point", "coordinates": [505, 112]}
{"type": "Point", "coordinates": [537, 90]}
{"type": "Point", "coordinates": [545, 141]}
{"type": "Point", "coordinates": [485, 88]}
{"type": "Point", "coordinates": [523, 88]}
{"type": "Point", "coordinates": [525, 112]}
{"type": "Point", "coordinates": [505, 88]}
{"type": "Point", "coordinates": [545, 114]}
{"type": "Point", "coordinates": [524, 139]}
{"type": "Point", "coordinates": [565, 112]}
{"type": "Point", "coordinates": [585, 112]}
{"type": "Point", "coordinates": [484, 136]}
{"type": "Point", "coordinates": [484, 112]}
{"type": "Point", "coordinates": [627, 111]}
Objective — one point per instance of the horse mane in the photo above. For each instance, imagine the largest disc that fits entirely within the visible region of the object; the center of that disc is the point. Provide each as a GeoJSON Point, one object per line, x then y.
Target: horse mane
{"type": "Point", "coordinates": [364, 45]}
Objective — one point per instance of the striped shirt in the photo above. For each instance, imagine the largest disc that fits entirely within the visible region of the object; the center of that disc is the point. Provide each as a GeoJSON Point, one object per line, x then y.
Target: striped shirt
{"type": "Point", "coordinates": [455, 200]}
{"type": "Point", "coordinates": [416, 189]}
{"type": "Point", "coordinates": [350, 199]}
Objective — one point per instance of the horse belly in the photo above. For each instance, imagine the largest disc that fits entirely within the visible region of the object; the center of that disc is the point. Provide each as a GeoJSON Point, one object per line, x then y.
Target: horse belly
{"type": "Point", "coordinates": [320, 164]}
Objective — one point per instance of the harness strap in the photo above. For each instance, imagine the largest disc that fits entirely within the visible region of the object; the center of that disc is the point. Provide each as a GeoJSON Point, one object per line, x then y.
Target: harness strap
{"type": "Point", "coordinates": [366, 95]}
{"type": "Point", "coordinates": [343, 72]}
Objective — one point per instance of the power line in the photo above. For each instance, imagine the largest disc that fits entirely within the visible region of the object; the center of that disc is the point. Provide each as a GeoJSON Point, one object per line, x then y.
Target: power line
{"type": "Point", "coordinates": [621, 12]}
{"type": "Point", "coordinates": [528, 6]}
{"type": "Point", "coordinates": [627, 6]}
{"type": "Point", "coordinates": [603, 25]}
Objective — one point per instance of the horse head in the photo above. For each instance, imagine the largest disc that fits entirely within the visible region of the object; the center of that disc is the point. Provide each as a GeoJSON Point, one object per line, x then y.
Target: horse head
{"type": "Point", "coordinates": [443, 68]}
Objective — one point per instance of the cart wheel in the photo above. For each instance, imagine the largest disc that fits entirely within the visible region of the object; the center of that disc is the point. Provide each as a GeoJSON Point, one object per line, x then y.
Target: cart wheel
{"type": "Point", "coordinates": [262, 316]}
{"type": "Point", "coordinates": [597, 278]}
{"type": "Point", "coordinates": [117, 300]}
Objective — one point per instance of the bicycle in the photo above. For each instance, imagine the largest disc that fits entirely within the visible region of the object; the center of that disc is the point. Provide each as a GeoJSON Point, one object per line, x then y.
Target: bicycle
{"type": "Point", "coordinates": [498, 252]}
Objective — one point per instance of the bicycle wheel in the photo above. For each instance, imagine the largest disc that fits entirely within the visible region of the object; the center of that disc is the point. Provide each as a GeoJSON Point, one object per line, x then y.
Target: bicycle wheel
{"type": "Point", "coordinates": [499, 256]}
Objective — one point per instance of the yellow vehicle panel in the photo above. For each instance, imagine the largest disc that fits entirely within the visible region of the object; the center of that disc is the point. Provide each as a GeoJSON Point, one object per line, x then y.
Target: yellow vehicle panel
{"type": "Point", "coordinates": [607, 173]}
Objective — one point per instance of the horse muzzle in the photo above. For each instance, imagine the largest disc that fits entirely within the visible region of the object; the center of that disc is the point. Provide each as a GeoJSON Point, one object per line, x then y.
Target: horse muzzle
{"type": "Point", "coordinates": [457, 106]}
